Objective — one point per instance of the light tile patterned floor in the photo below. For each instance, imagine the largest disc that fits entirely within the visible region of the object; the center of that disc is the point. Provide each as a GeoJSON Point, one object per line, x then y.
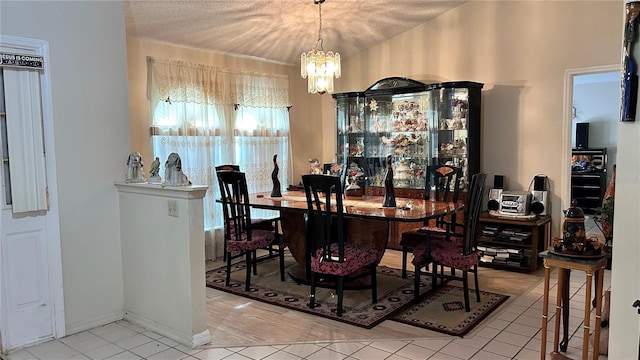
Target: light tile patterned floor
{"type": "Point", "coordinates": [514, 334]}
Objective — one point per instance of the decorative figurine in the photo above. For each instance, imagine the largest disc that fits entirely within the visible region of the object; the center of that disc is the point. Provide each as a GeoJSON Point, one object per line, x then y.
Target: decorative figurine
{"type": "Point", "coordinates": [314, 166]}
{"type": "Point", "coordinates": [135, 174]}
{"type": "Point", "coordinates": [154, 173]}
{"type": "Point", "coordinates": [274, 177]}
{"type": "Point", "coordinates": [389, 192]}
{"type": "Point", "coordinates": [173, 172]}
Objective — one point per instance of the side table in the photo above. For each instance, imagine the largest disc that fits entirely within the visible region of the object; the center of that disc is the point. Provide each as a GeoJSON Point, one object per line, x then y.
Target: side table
{"type": "Point", "coordinates": [590, 266]}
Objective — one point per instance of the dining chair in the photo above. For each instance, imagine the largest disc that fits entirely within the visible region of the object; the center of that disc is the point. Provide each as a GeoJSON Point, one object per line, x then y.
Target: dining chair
{"type": "Point", "coordinates": [240, 237]}
{"type": "Point", "coordinates": [272, 224]}
{"type": "Point", "coordinates": [443, 181]}
{"type": "Point", "coordinates": [451, 249]}
{"type": "Point", "coordinates": [326, 246]}
{"type": "Point", "coordinates": [335, 169]}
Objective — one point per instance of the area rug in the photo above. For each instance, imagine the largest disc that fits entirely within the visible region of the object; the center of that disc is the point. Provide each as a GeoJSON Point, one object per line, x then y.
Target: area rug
{"type": "Point", "coordinates": [443, 310]}
{"type": "Point", "coordinates": [395, 298]}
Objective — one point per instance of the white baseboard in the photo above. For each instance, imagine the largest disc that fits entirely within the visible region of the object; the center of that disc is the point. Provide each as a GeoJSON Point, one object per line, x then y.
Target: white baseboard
{"type": "Point", "coordinates": [190, 340]}
{"type": "Point", "coordinates": [200, 339]}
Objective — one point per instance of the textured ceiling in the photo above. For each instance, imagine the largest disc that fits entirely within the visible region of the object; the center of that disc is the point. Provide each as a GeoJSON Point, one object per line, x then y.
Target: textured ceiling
{"type": "Point", "coordinates": [277, 30]}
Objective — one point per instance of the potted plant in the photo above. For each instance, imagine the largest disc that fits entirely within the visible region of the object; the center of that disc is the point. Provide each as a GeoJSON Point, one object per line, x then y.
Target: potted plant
{"type": "Point", "coordinates": [604, 219]}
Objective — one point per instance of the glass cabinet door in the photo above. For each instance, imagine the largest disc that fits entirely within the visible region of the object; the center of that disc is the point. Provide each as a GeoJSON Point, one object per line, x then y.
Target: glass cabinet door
{"type": "Point", "coordinates": [452, 135]}
{"type": "Point", "coordinates": [351, 130]}
{"type": "Point", "coordinates": [398, 126]}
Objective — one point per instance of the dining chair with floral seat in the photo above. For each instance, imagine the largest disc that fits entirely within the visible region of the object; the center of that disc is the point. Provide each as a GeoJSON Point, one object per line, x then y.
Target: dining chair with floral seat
{"type": "Point", "coordinates": [328, 251]}
{"type": "Point", "coordinates": [452, 249]}
{"type": "Point", "coordinates": [240, 236]}
{"type": "Point", "coordinates": [271, 223]}
{"type": "Point", "coordinates": [443, 182]}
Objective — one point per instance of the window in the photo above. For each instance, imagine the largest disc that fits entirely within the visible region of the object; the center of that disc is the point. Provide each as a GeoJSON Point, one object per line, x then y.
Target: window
{"type": "Point", "coordinates": [211, 117]}
{"type": "Point", "coordinates": [24, 178]}
{"type": "Point", "coordinates": [6, 183]}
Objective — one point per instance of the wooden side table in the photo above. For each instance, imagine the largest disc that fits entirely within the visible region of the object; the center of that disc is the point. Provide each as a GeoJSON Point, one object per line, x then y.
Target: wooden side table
{"type": "Point", "coordinates": [590, 266]}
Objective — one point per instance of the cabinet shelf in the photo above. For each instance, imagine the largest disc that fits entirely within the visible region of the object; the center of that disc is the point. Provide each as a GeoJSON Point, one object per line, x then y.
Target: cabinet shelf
{"type": "Point", "coordinates": [505, 243]}
{"type": "Point", "coordinates": [588, 189]}
{"type": "Point", "coordinates": [537, 233]}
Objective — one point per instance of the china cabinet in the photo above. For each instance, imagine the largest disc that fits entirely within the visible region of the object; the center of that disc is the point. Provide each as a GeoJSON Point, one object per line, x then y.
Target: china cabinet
{"type": "Point", "coordinates": [418, 124]}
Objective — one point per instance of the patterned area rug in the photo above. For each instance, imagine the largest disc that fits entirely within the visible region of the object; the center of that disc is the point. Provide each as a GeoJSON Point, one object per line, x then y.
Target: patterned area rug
{"type": "Point", "coordinates": [443, 310]}
{"type": "Point", "coordinates": [395, 297]}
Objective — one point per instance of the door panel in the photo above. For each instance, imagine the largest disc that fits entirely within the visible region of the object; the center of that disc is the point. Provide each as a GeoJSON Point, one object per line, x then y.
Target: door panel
{"type": "Point", "coordinates": [26, 297]}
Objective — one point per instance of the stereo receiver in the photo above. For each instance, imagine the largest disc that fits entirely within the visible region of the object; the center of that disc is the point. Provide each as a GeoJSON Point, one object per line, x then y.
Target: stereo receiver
{"type": "Point", "coordinates": [515, 202]}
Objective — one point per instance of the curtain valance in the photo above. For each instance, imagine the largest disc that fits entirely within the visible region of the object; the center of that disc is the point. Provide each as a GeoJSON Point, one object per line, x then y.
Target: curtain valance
{"type": "Point", "coordinates": [203, 84]}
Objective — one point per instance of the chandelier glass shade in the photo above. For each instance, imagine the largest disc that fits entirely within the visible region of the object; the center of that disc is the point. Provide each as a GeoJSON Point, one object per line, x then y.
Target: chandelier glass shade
{"type": "Point", "coordinates": [318, 66]}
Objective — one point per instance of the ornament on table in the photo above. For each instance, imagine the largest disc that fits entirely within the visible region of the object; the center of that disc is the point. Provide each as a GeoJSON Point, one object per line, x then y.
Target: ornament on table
{"type": "Point", "coordinates": [314, 166]}
{"type": "Point", "coordinates": [274, 177]}
{"type": "Point", "coordinates": [389, 191]}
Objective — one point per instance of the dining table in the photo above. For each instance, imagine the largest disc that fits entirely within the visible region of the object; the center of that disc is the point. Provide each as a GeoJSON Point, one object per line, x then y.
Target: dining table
{"type": "Point", "coordinates": [367, 221]}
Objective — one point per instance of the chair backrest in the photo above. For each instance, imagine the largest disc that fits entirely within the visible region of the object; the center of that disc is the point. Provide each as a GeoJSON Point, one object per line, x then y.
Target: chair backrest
{"type": "Point", "coordinates": [335, 169]}
{"type": "Point", "coordinates": [235, 203]}
{"type": "Point", "coordinates": [324, 227]}
{"type": "Point", "coordinates": [444, 181]}
{"type": "Point", "coordinates": [472, 207]}
{"type": "Point", "coordinates": [228, 167]}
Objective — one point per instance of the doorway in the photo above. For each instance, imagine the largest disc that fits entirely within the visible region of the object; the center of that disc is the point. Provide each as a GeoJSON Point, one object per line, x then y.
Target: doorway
{"type": "Point", "coordinates": [579, 82]}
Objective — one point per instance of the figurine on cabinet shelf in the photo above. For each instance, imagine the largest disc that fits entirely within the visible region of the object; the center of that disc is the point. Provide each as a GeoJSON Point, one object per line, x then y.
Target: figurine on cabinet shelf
{"type": "Point", "coordinates": [274, 177]}
{"type": "Point", "coordinates": [154, 173]}
{"type": "Point", "coordinates": [134, 169]}
{"type": "Point", "coordinates": [389, 192]}
{"type": "Point", "coordinates": [173, 172]}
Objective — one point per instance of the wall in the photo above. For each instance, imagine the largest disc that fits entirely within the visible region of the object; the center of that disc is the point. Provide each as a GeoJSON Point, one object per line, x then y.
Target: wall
{"type": "Point", "coordinates": [304, 115]}
{"type": "Point", "coordinates": [91, 127]}
{"type": "Point", "coordinates": [520, 51]}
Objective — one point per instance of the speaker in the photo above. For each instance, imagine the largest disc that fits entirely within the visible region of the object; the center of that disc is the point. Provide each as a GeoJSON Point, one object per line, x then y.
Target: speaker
{"type": "Point", "coordinates": [539, 202]}
{"type": "Point", "coordinates": [496, 193]}
{"type": "Point", "coordinates": [582, 135]}
{"type": "Point", "coordinates": [539, 183]}
{"type": "Point", "coordinates": [498, 181]}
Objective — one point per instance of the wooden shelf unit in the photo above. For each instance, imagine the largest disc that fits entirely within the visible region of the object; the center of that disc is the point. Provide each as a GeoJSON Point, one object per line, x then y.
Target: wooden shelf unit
{"type": "Point", "coordinates": [540, 229]}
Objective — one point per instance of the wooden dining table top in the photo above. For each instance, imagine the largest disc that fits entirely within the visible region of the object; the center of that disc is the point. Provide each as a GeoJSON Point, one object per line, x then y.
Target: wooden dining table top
{"type": "Point", "coordinates": [364, 207]}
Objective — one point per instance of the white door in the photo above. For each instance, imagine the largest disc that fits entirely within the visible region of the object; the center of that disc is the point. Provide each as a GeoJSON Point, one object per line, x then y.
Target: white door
{"type": "Point", "coordinates": [31, 296]}
{"type": "Point", "coordinates": [25, 279]}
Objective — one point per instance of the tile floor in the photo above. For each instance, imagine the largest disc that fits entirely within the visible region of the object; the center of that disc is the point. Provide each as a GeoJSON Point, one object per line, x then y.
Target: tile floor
{"type": "Point", "coordinates": [513, 332]}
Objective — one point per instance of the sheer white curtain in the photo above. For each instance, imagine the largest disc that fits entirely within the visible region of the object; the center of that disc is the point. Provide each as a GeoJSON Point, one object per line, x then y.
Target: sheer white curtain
{"type": "Point", "coordinates": [212, 116]}
{"type": "Point", "coordinates": [261, 130]}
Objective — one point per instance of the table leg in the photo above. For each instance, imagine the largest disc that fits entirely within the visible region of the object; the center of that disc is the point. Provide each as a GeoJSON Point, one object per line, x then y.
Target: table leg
{"type": "Point", "coordinates": [598, 321]}
{"type": "Point", "coordinates": [587, 317]}
{"type": "Point", "coordinates": [565, 309]}
{"type": "Point", "coordinates": [562, 311]}
{"type": "Point", "coordinates": [545, 312]}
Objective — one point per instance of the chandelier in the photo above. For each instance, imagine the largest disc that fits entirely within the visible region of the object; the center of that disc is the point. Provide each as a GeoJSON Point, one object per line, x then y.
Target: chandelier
{"type": "Point", "coordinates": [318, 66]}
